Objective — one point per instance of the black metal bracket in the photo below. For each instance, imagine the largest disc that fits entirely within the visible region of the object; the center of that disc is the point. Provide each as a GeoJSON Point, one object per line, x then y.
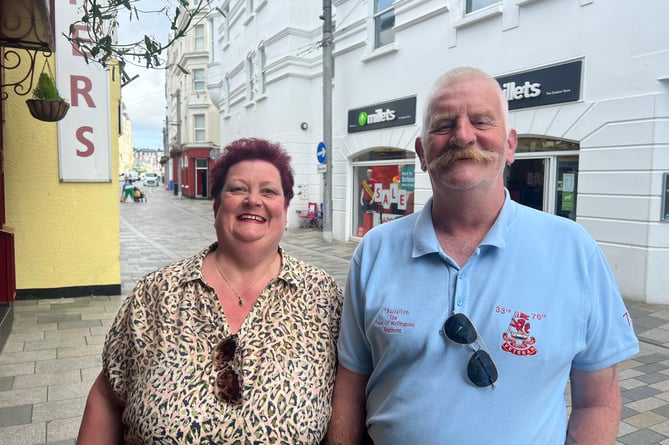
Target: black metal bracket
{"type": "Point", "coordinates": [14, 58]}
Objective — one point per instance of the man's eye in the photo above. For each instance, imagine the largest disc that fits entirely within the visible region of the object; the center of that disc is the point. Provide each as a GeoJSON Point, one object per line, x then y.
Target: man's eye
{"type": "Point", "coordinates": [482, 123]}
{"type": "Point", "coordinates": [441, 129]}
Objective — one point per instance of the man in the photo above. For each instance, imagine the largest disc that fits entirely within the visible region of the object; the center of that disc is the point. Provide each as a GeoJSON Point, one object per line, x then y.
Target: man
{"type": "Point", "coordinates": [463, 323]}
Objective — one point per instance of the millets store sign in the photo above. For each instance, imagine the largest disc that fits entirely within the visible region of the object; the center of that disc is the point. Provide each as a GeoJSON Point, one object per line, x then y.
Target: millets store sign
{"type": "Point", "coordinates": [383, 115]}
{"type": "Point", "coordinates": [546, 86]}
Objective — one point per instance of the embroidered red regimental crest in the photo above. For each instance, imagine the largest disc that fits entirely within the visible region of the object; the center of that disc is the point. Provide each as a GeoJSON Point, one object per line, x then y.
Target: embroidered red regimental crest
{"type": "Point", "coordinates": [517, 338]}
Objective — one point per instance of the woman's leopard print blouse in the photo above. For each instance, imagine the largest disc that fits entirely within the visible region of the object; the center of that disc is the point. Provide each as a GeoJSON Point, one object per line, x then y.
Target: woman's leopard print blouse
{"type": "Point", "coordinates": [158, 358]}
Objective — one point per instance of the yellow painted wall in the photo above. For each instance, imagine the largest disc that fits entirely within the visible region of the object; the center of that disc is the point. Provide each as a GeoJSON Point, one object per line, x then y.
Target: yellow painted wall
{"type": "Point", "coordinates": [125, 151]}
{"type": "Point", "coordinates": [66, 234]}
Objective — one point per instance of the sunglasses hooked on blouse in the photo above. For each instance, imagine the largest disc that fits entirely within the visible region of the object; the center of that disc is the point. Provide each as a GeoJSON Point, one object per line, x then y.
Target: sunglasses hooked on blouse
{"type": "Point", "coordinates": [228, 383]}
{"type": "Point", "coordinates": [481, 369]}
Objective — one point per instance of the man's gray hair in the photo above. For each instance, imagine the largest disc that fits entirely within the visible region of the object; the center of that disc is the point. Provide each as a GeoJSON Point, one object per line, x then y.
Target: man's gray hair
{"type": "Point", "coordinates": [452, 76]}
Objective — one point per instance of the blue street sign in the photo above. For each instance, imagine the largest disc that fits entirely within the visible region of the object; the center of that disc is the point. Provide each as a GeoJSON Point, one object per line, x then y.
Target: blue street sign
{"type": "Point", "coordinates": [321, 153]}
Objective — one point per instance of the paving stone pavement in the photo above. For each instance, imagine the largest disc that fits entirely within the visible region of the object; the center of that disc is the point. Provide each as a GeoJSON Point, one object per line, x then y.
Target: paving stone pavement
{"type": "Point", "coordinates": [52, 354]}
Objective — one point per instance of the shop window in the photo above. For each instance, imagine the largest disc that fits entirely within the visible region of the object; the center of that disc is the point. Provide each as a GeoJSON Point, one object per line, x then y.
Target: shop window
{"type": "Point", "coordinates": [384, 22]}
{"type": "Point", "coordinates": [475, 5]}
{"type": "Point", "coordinates": [384, 187]}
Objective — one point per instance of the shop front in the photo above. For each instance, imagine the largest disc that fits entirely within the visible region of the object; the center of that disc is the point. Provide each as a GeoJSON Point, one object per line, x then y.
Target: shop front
{"type": "Point", "coordinates": [384, 187]}
{"type": "Point", "coordinates": [544, 175]}
{"type": "Point", "coordinates": [383, 176]}
{"type": "Point", "coordinates": [192, 171]}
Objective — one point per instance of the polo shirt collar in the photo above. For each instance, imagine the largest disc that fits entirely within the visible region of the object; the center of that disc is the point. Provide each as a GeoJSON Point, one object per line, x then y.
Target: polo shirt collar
{"type": "Point", "coordinates": [425, 239]}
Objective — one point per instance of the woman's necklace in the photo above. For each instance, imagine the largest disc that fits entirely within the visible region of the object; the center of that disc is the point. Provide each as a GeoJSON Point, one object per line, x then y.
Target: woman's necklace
{"type": "Point", "coordinates": [239, 297]}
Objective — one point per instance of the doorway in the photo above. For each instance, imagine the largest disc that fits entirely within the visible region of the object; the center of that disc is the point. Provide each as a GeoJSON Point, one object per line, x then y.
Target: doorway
{"type": "Point", "coordinates": [544, 176]}
{"type": "Point", "coordinates": [201, 178]}
{"type": "Point", "coordinates": [525, 181]}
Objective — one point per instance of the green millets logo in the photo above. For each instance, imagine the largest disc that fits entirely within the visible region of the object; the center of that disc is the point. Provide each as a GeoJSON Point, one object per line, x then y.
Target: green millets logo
{"type": "Point", "coordinates": [378, 116]}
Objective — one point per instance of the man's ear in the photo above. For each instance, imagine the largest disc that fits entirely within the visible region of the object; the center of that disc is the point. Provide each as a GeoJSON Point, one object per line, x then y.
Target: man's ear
{"type": "Point", "coordinates": [511, 144]}
{"type": "Point", "coordinates": [418, 146]}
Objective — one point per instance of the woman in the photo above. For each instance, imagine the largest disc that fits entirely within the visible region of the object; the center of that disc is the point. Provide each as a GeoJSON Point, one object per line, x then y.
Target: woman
{"type": "Point", "coordinates": [233, 345]}
{"type": "Point", "coordinates": [128, 190]}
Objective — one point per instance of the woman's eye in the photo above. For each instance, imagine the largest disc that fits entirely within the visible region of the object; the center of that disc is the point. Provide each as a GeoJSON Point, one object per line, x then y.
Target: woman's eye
{"type": "Point", "coordinates": [270, 192]}
{"type": "Point", "coordinates": [238, 189]}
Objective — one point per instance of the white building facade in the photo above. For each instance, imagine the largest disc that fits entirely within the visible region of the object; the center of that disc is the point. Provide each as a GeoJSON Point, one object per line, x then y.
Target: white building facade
{"type": "Point", "coordinates": [587, 83]}
{"type": "Point", "coordinates": [192, 120]}
{"type": "Point", "coordinates": [265, 78]}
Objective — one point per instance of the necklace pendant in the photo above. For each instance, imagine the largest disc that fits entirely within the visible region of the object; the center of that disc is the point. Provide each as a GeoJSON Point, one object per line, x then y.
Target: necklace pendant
{"type": "Point", "coordinates": [241, 303]}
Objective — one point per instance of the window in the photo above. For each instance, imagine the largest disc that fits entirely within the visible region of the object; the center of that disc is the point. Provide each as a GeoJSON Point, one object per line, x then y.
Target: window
{"type": "Point", "coordinates": [212, 40]}
{"type": "Point", "coordinates": [199, 127]}
{"type": "Point", "coordinates": [226, 20]}
{"type": "Point", "coordinates": [383, 187]}
{"type": "Point", "coordinates": [227, 94]}
{"type": "Point", "coordinates": [250, 76]}
{"type": "Point", "coordinates": [198, 31]}
{"type": "Point", "coordinates": [198, 79]}
{"type": "Point", "coordinates": [384, 21]}
{"type": "Point", "coordinates": [475, 5]}
{"type": "Point", "coordinates": [263, 63]}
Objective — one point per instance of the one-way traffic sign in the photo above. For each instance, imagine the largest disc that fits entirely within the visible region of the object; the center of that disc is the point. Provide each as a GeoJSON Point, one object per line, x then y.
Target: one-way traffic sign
{"type": "Point", "coordinates": [321, 153]}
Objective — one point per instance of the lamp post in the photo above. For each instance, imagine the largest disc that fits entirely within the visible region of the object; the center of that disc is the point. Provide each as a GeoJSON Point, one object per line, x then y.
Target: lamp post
{"type": "Point", "coordinates": [178, 94]}
{"type": "Point", "coordinates": [327, 119]}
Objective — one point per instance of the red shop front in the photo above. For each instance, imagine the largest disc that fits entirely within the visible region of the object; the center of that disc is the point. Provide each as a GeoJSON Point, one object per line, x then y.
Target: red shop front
{"type": "Point", "coordinates": [191, 171]}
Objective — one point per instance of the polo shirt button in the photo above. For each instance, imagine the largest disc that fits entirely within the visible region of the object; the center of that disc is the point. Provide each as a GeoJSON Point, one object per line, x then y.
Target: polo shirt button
{"type": "Point", "coordinates": [459, 302]}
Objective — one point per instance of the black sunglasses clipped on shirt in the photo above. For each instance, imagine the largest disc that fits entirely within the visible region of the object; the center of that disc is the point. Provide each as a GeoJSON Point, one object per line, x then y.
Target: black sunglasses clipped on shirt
{"type": "Point", "coordinates": [481, 369]}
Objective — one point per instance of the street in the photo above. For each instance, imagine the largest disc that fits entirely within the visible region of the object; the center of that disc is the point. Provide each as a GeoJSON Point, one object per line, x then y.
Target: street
{"type": "Point", "coordinates": [166, 228]}
{"type": "Point", "coordinates": [52, 355]}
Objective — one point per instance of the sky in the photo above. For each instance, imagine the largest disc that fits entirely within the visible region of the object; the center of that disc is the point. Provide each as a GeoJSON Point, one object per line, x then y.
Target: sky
{"type": "Point", "coordinates": [144, 97]}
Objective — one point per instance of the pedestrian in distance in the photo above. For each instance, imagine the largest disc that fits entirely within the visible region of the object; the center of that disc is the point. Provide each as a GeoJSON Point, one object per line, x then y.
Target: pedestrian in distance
{"type": "Point", "coordinates": [138, 195]}
{"type": "Point", "coordinates": [236, 344]}
{"type": "Point", "coordinates": [463, 323]}
{"type": "Point", "coordinates": [128, 190]}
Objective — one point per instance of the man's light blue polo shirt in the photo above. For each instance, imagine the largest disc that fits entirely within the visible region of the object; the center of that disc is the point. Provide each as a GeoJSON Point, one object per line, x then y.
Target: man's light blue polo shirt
{"type": "Point", "coordinates": [541, 295]}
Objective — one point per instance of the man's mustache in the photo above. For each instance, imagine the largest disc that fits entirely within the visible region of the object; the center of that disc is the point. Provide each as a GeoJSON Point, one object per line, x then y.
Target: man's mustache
{"type": "Point", "coordinates": [471, 153]}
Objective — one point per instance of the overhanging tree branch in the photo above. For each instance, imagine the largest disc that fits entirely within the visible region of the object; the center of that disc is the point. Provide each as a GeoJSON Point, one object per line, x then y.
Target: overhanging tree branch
{"type": "Point", "coordinates": [95, 34]}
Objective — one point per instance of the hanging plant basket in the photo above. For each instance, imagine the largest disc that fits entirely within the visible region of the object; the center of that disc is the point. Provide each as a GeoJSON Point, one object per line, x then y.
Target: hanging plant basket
{"type": "Point", "coordinates": [47, 104]}
{"type": "Point", "coordinates": [47, 110]}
